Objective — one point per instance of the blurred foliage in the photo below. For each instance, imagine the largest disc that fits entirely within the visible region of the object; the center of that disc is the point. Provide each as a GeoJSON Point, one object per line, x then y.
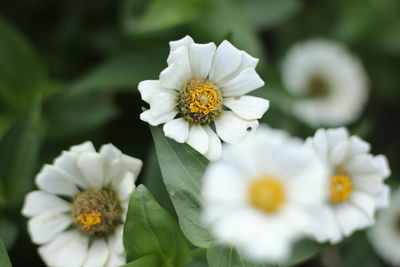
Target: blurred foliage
{"type": "Point", "coordinates": [69, 72]}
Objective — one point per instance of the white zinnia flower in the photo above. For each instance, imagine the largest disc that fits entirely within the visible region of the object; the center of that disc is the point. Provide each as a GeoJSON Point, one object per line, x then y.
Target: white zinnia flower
{"type": "Point", "coordinates": [385, 235]}
{"type": "Point", "coordinates": [330, 82]}
{"type": "Point", "coordinates": [356, 183]}
{"type": "Point", "coordinates": [196, 90]}
{"type": "Point", "coordinates": [77, 215]}
{"type": "Point", "coordinates": [258, 197]}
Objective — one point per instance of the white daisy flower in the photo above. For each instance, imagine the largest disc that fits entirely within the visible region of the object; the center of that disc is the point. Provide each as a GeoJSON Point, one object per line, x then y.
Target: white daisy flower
{"type": "Point", "coordinates": [77, 215]}
{"type": "Point", "coordinates": [204, 86]}
{"type": "Point", "coordinates": [356, 184]}
{"type": "Point", "coordinates": [258, 196]}
{"type": "Point", "coordinates": [385, 235]}
{"type": "Point", "coordinates": [330, 82]}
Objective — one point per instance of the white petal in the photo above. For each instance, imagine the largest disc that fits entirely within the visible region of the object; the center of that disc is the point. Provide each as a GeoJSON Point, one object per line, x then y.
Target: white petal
{"type": "Point", "coordinates": [154, 121]}
{"type": "Point", "coordinates": [247, 81]}
{"type": "Point", "coordinates": [84, 147]}
{"type": "Point", "coordinates": [227, 59]}
{"type": "Point", "coordinates": [320, 142]}
{"type": "Point", "coordinates": [370, 184]}
{"type": "Point", "coordinates": [150, 88]}
{"type": "Point", "coordinates": [68, 162]}
{"type": "Point", "coordinates": [131, 164]}
{"type": "Point", "coordinates": [178, 72]}
{"type": "Point", "coordinates": [382, 166]}
{"type": "Point", "coordinates": [198, 139]}
{"type": "Point", "coordinates": [98, 254]}
{"type": "Point", "coordinates": [247, 107]}
{"type": "Point", "coordinates": [116, 260]}
{"type": "Point", "coordinates": [351, 218]}
{"type": "Point", "coordinates": [38, 202]}
{"type": "Point", "coordinates": [74, 253]}
{"type": "Point", "coordinates": [50, 251]}
{"type": "Point", "coordinates": [125, 186]}
{"type": "Point", "coordinates": [116, 241]}
{"type": "Point", "coordinates": [91, 165]}
{"type": "Point", "coordinates": [177, 129]}
{"type": "Point", "coordinates": [232, 129]}
{"type": "Point", "coordinates": [337, 135]}
{"type": "Point", "coordinates": [363, 201]}
{"type": "Point", "coordinates": [215, 147]}
{"type": "Point", "coordinates": [201, 56]}
{"type": "Point", "coordinates": [325, 226]}
{"type": "Point", "coordinates": [162, 103]}
{"type": "Point", "coordinates": [338, 153]}
{"type": "Point", "coordinates": [363, 163]}
{"type": "Point", "coordinates": [45, 227]}
{"type": "Point", "coordinates": [383, 198]}
{"type": "Point", "coordinates": [185, 42]}
{"type": "Point", "coordinates": [56, 181]}
{"type": "Point", "coordinates": [110, 152]}
{"type": "Point", "coordinates": [357, 146]}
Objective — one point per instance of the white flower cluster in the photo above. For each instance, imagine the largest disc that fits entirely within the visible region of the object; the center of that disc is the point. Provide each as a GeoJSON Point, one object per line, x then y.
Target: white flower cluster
{"type": "Point", "coordinates": [271, 189]}
{"type": "Point", "coordinates": [263, 191]}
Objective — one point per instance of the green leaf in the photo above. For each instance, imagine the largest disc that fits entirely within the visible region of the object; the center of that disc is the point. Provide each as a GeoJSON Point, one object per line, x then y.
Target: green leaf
{"type": "Point", "coordinates": [19, 150]}
{"type": "Point", "coordinates": [182, 168]}
{"type": "Point", "coordinates": [149, 229]}
{"type": "Point", "coordinates": [224, 19]}
{"type": "Point", "coordinates": [161, 15]}
{"type": "Point", "coordinates": [304, 250]}
{"type": "Point", "coordinates": [4, 259]}
{"type": "Point", "coordinates": [122, 72]}
{"type": "Point", "coordinates": [218, 256]}
{"type": "Point", "coordinates": [69, 116]}
{"type": "Point", "coordinates": [146, 261]}
{"type": "Point", "coordinates": [22, 75]}
{"type": "Point", "coordinates": [8, 232]}
{"type": "Point", "coordinates": [264, 14]}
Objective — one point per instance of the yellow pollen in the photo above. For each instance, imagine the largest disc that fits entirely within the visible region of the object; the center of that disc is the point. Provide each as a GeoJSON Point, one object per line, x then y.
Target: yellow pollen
{"type": "Point", "coordinates": [88, 220]}
{"type": "Point", "coordinates": [267, 194]}
{"type": "Point", "coordinates": [341, 188]}
{"type": "Point", "coordinates": [203, 97]}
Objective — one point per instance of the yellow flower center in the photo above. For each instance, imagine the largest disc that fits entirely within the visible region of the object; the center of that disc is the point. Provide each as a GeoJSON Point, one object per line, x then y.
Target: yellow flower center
{"type": "Point", "coordinates": [267, 194]}
{"type": "Point", "coordinates": [203, 97]}
{"type": "Point", "coordinates": [89, 220]}
{"type": "Point", "coordinates": [340, 188]}
{"type": "Point", "coordinates": [200, 101]}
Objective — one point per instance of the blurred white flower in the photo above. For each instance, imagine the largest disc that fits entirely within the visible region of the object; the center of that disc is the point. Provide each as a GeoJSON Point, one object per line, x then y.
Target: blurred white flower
{"type": "Point", "coordinates": [330, 83]}
{"type": "Point", "coordinates": [196, 90]}
{"type": "Point", "coordinates": [77, 215]}
{"type": "Point", "coordinates": [258, 197]}
{"type": "Point", "coordinates": [385, 235]}
{"type": "Point", "coordinates": [356, 184]}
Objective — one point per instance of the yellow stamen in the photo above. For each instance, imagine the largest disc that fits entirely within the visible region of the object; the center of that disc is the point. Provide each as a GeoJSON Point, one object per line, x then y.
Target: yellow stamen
{"type": "Point", "coordinates": [203, 97]}
{"type": "Point", "coordinates": [341, 188]}
{"type": "Point", "coordinates": [267, 194]}
{"type": "Point", "coordinates": [88, 220]}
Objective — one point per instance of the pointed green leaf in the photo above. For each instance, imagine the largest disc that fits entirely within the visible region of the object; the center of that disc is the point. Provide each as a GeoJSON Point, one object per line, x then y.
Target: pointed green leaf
{"type": "Point", "coordinates": [22, 75]}
{"type": "Point", "coordinates": [182, 168]}
{"type": "Point", "coordinates": [4, 259]}
{"type": "Point", "coordinates": [146, 261]}
{"type": "Point", "coordinates": [19, 150]}
{"type": "Point", "coordinates": [149, 229]}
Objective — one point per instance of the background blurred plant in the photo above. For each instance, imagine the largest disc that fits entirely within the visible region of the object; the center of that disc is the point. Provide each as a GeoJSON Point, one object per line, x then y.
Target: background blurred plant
{"type": "Point", "coordinates": [69, 72]}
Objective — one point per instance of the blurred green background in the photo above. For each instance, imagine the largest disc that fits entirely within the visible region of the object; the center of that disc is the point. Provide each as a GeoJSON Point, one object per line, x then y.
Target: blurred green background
{"type": "Point", "coordinates": [69, 71]}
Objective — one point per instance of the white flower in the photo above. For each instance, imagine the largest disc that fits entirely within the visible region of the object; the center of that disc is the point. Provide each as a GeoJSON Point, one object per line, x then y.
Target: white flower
{"type": "Point", "coordinates": [330, 82]}
{"type": "Point", "coordinates": [196, 90]}
{"type": "Point", "coordinates": [258, 196]}
{"type": "Point", "coordinates": [77, 215]}
{"type": "Point", "coordinates": [356, 184]}
{"type": "Point", "coordinates": [385, 235]}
